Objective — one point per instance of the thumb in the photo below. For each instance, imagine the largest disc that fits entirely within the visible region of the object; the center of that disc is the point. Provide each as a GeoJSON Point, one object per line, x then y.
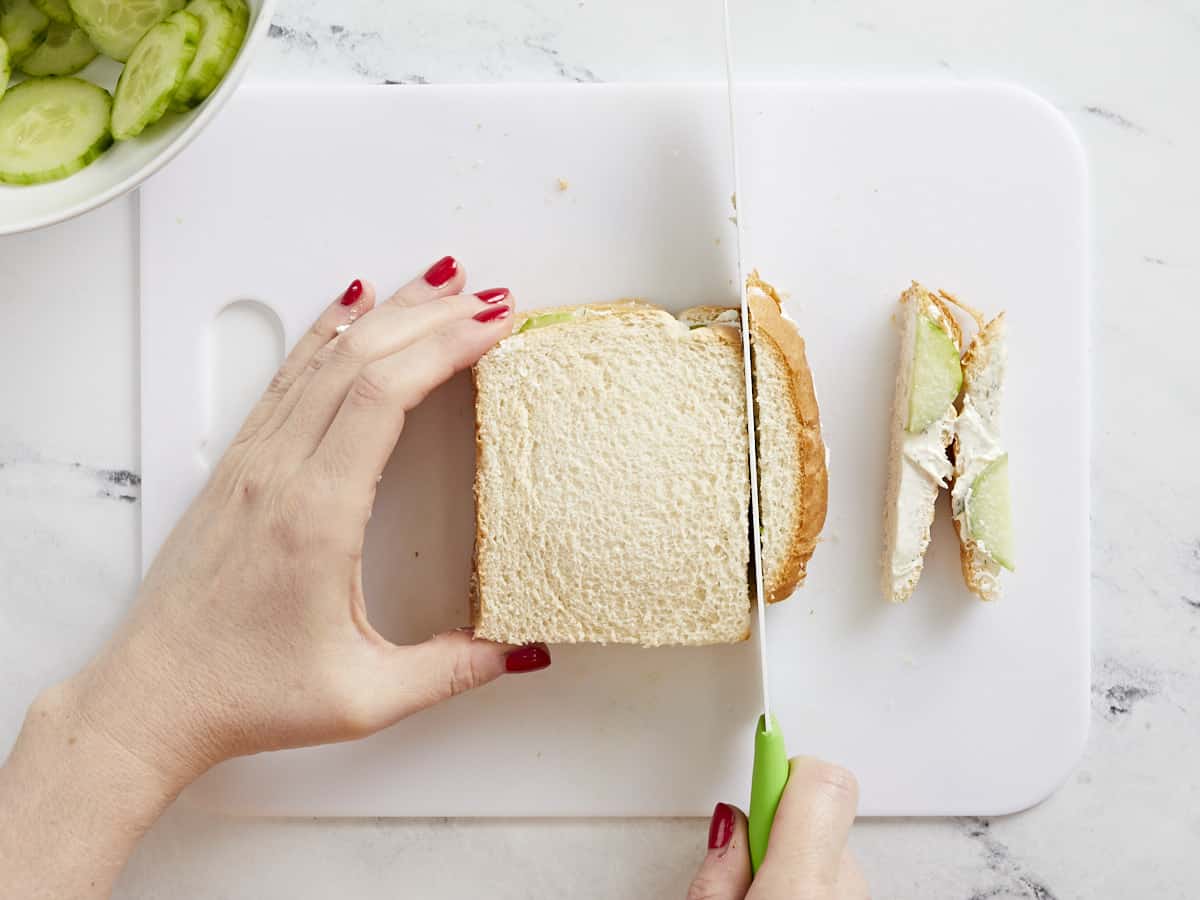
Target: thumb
{"type": "Point", "coordinates": [452, 663]}
{"type": "Point", "coordinates": [725, 872]}
{"type": "Point", "coordinates": [808, 837]}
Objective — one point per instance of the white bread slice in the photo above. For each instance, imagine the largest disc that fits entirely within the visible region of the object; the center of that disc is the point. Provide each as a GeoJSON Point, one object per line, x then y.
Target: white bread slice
{"type": "Point", "coordinates": [792, 474]}
{"type": "Point", "coordinates": [611, 482]}
{"type": "Point", "coordinates": [977, 444]}
{"type": "Point", "coordinates": [918, 465]}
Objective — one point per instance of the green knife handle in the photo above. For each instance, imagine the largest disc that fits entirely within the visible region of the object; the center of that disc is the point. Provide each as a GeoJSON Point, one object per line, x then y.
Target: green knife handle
{"type": "Point", "coordinates": [766, 786]}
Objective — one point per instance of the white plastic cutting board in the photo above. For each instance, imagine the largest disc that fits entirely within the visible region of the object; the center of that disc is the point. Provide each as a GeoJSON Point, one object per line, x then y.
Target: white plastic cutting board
{"type": "Point", "coordinates": [942, 706]}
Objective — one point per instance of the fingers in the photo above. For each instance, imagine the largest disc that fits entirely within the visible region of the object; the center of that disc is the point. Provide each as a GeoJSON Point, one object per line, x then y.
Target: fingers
{"type": "Point", "coordinates": [447, 665]}
{"type": "Point", "coordinates": [357, 299]}
{"type": "Point", "coordinates": [443, 279]}
{"type": "Point", "coordinates": [725, 872]}
{"type": "Point", "coordinates": [389, 329]}
{"type": "Point", "coordinates": [806, 856]}
{"type": "Point", "coordinates": [809, 834]}
{"type": "Point", "coordinates": [367, 425]}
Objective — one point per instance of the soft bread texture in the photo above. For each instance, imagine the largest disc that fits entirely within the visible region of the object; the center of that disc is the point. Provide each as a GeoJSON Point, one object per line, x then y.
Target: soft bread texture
{"type": "Point", "coordinates": [792, 474]}
{"type": "Point", "coordinates": [918, 466]}
{"type": "Point", "coordinates": [976, 444]}
{"type": "Point", "coordinates": [545, 569]}
{"type": "Point", "coordinates": [611, 482]}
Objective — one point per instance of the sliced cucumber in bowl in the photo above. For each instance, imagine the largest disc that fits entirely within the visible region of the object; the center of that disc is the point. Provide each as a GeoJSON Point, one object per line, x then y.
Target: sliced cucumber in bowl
{"type": "Point", "coordinates": [153, 74]}
{"type": "Point", "coordinates": [222, 31]}
{"type": "Point", "coordinates": [116, 26]}
{"type": "Point", "coordinates": [22, 26]}
{"type": "Point", "coordinates": [65, 51]}
{"type": "Point", "coordinates": [59, 124]}
{"type": "Point", "coordinates": [52, 127]}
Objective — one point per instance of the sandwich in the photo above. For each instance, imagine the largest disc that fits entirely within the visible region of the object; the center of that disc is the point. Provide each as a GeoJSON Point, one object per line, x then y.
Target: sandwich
{"type": "Point", "coordinates": [928, 380]}
{"type": "Point", "coordinates": [612, 485]}
{"type": "Point", "coordinates": [945, 432]}
{"type": "Point", "coordinates": [791, 455]}
{"type": "Point", "coordinates": [979, 498]}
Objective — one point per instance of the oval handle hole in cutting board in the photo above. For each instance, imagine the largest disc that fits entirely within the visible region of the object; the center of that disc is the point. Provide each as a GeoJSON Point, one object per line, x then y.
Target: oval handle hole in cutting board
{"type": "Point", "coordinates": [245, 349]}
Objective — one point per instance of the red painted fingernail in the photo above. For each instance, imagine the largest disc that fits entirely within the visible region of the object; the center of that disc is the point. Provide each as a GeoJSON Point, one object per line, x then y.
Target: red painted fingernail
{"type": "Point", "coordinates": [488, 315]}
{"type": "Point", "coordinates": [720, 829]}
{"type": "Point", "coordinates": [492, 295]}
{"type": "Point", "coordinates": [441, 271]}
{"type": "Point", "coordinates": [527, 659]}
{"type": "Point", "coordinates": [352, 293]}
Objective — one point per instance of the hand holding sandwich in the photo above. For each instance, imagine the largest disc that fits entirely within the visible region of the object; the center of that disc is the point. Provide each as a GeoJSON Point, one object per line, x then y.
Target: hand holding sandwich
{"type": "Point", "coordinates": [250, 632]}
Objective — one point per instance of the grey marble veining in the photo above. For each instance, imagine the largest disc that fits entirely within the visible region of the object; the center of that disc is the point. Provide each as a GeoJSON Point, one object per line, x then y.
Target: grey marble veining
{"type": "Point", "coordinates": [1126, 822]}
{"type": "Point", "coordinates": [24, 476]}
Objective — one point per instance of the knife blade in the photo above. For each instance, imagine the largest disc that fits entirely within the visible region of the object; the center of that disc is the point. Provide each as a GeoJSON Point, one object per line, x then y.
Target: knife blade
{"type": "Point", "coordinates": [770, 756]}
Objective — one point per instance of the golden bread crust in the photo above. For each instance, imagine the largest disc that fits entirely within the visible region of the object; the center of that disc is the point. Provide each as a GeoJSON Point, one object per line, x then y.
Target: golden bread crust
{"type": "Point", "coordinates": [771, 328]}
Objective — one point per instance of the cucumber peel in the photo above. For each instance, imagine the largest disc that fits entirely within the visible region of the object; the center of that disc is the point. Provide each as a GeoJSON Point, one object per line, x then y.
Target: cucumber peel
{"type": "Point", "coordinates": [65, 51]}
{"type": "Point", "coordinates": [51, 128]}
{"type": "Point", "coordinates": [155, 70]}
{"type": "Point", "coordinates": [221, 34]}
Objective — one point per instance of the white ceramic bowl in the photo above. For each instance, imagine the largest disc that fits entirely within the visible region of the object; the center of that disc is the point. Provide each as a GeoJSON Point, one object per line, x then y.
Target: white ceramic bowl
{"type": "Point", "coordinates": [127, 163]}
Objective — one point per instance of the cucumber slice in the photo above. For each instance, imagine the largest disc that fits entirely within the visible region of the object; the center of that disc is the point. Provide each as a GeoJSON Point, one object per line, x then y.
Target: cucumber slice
{"type": "Point", "coordinates": [51, 127]}
{"type": "Point", "coordinates": [543, 320]}
{"type": "Point", "coordinates": [221, 35]}
{"type": "Point", "coordinates": [65, 51]}
{"type": "Point", "coordinates": [115, 26]}
{"type": "Point", "coordinates": [155, 71]}
{"type": "Point", "coordinates": [5, 67]}
{"type": "Point", "coordinates": [56, 10]}
{"type": "Point", "coordinates": [989, 513]}
{"type": "Point", "coordinates": [22, 26]}
{"type": "Point", "coordinates": [936, 375]}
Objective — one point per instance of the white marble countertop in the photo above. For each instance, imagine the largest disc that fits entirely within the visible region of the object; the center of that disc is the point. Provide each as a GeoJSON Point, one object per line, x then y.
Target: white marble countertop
{"type": "Point", "coordinates": [1124, 825]}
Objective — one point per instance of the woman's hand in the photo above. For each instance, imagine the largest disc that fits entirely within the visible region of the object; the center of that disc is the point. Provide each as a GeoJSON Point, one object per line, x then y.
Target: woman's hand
{"type": "Point", "coordinates": [250, 630]}
{"type": "Point", "coordinates": [806, 854]}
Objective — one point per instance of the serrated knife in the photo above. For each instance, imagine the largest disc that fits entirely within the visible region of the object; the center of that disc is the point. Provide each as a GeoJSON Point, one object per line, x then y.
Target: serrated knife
{"type": "Point", "coordinates": [770, 755]}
